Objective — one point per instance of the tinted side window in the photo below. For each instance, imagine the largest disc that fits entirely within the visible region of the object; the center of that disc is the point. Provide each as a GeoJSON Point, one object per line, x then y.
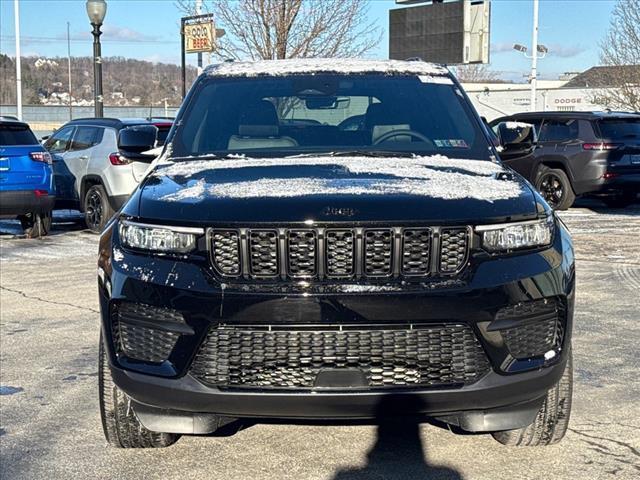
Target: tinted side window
{"type": "Point", "coordinates": [59, 141]}
{"type": "Point", "coordinates": [619, 128]}
{"type": "Point", "coordinates": [559, 130]}
{"type": "Point", "coordinates": [86, 137]}
{"type": "Point", "coordinates": [16, 135]}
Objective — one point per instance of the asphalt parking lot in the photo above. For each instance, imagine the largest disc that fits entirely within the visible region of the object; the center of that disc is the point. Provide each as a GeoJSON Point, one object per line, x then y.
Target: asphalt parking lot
{"type": "Point", "coordinates": [50, 424]}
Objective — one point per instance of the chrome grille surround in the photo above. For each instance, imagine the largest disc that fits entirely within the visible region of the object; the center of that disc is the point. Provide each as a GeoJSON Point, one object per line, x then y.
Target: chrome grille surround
{"type": "Point", "coordinates": [332, 253]}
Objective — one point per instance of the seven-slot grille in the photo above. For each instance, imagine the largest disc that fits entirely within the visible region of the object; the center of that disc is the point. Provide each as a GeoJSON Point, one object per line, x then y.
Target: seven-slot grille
{"type": "Point", "coordinates": [335, 253]}
{"type": "Point", "coordinates": [292, 357]}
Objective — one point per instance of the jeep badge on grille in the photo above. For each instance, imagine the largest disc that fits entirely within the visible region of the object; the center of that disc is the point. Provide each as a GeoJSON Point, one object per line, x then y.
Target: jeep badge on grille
{"type": "Point", "coordinates": [339, 212]}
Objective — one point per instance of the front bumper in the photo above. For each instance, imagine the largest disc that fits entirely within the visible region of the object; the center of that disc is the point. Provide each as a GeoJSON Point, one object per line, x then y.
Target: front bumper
{"type": "Point", "coordinates": [508, 396]}
{"type": "Point", "coordinates": [21, 202]}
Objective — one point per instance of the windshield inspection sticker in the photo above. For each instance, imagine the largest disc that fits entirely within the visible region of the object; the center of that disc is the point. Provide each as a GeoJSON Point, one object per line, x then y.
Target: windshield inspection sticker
{"type": "Point", "coordinates": [442, 80]}
{"type": "Point", "coordinates": [451, 143]}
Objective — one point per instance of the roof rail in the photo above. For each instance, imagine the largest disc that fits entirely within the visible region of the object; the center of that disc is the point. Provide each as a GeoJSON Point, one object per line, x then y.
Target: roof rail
{"type": "Point", "coordinates": [414, 59]}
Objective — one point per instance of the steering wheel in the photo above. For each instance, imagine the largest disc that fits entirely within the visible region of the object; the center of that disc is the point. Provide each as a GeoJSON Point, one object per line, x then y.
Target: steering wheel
{"type": "Point", "coordinates": [397, 133]}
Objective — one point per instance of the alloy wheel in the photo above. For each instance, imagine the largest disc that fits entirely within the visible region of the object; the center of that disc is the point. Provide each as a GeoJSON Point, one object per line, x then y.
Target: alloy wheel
{"type": "Point", "coordinates": [552, 189]}
{"type": "Point", "coordinates": [94, 210]}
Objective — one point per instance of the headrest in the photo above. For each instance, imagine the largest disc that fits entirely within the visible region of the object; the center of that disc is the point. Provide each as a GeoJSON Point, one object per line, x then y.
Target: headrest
{"type": "Point", "coordinates": [259, 120]}
{"type": "Point", "coordinates": [381, 114]}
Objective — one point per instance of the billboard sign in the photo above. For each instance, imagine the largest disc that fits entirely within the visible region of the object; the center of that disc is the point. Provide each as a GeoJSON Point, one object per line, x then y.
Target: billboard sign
{"type": "Point", "coordinates": [455, 32]}
{"type": "Point", "coordinates": [199, 37]}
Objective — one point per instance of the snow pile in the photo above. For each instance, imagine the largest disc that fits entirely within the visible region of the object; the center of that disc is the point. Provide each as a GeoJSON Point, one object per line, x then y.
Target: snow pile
{"type": "Point", "coordinates": [301, 66]}
{"type": "Point", "coordinates": [436, 177]}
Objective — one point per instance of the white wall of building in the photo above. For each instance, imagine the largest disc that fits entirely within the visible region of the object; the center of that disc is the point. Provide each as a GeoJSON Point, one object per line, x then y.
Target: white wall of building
{"type": "Point", "coordinates": [495, 100]}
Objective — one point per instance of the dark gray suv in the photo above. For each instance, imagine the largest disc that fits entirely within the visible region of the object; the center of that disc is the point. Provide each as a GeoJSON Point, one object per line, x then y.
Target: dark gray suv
{"type": "Point", "coordinates": [579, 153]}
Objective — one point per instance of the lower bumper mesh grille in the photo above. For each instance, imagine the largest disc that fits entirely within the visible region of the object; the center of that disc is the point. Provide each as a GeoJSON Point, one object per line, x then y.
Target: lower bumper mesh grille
{"type": "Point", "coordinates": [539, 328]}
{"type": "Point", "coordinates": [142, 332]}
{"type": "Point", "coordinates": [387, 356]}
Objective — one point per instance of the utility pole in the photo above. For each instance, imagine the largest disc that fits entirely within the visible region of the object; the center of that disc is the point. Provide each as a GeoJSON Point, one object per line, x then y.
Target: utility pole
{"type": "Point", "coordinates": [198, 12]}
{"type": "Point", "coordinates": [69, 69]}
{"type": "Point", "coordinates": [534, 57]}
{"type": "Point", "coordinates": [16, 11]}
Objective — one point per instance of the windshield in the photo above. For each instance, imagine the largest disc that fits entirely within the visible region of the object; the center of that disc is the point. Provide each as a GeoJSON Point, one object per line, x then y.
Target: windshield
{"type": "Point", "coordinates": [619, 129]}
{"type": "Point", "coordinates": [290, 115]}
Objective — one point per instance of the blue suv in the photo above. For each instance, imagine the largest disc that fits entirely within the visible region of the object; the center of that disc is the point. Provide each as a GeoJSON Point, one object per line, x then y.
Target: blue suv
{"type": "Point", "coordinates": [26, 179]}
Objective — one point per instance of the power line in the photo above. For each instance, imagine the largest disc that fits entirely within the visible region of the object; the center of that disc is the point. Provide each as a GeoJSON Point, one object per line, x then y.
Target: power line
{"type": "Point", "coordinates": [34, 39]}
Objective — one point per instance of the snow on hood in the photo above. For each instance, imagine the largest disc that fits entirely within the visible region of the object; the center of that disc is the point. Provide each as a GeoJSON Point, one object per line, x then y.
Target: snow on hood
{"type": "Point", "coordinates": [436, 177]}
{"type": "Point", "coordinates": [301, 66]}
{"type": "Point", "coordinates": [396, 166]}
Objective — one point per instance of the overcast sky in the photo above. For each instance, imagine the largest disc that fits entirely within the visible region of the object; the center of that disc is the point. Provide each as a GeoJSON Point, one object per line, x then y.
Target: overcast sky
{"type": "Point", "coordinates": [149, 30]}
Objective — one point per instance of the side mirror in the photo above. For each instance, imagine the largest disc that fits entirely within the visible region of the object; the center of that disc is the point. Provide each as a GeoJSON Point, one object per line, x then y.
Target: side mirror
{"type": "Point", "coordinates": [135, 141]}
{"type": "Point", "coordinates": [516, 139]}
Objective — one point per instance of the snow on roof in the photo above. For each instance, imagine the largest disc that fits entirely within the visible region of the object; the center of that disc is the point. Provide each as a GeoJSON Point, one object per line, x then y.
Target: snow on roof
{"type": "Point", "coordinates": [301, 66]}
{"type": "Point", "coordinates": [436, 177]}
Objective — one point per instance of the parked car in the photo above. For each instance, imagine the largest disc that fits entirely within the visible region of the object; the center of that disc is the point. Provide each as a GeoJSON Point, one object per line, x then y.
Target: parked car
{"type": "Point", "coordinates": [268, 268]}
{"type": "Point", "coordinates": [90, 175]}
{"type": "Point", "coordinates": [580, 153]}
{"type": "Point", "coordinates": [26, 180]}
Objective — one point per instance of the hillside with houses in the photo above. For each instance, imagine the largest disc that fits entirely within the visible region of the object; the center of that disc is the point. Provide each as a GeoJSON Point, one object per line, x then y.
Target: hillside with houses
{"type": "Point", "coordinates": [126, 82]}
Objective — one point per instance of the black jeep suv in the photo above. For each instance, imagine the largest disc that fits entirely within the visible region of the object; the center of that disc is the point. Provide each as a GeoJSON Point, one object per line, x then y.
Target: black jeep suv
{"type": "Point", "coordinates": [333, 239]}
{"type": "Point", "coordinates": [580, 153]}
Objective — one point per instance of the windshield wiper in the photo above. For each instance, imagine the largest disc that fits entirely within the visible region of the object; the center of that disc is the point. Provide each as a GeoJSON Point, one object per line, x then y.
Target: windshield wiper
{"type": "Point", "coordinates": [356, 153]}
{"type": "Point", "coordinates": [212, 156]}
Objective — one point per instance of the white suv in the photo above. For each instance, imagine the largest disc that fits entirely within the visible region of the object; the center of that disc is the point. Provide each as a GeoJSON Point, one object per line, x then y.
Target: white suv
{"type": "Point", "coordinates": [89, 173]}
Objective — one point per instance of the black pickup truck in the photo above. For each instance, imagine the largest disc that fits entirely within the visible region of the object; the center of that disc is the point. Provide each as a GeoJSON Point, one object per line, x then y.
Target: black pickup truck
{"type": "Point", "coordinates": [333, 239]}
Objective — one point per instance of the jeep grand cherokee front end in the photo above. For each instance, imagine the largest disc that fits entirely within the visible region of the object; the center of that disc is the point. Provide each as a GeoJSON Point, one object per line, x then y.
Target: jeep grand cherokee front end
{"type": "Point", "coordinates": [334, 240]}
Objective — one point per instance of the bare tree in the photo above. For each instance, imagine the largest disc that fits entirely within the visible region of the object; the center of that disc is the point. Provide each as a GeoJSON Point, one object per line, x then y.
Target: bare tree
{"type": "Point", "coordinates": [620, 86]}
{"type": "Point", "coordinates": [475, 73]}
{"type": "Point", "coordinates": [277, 29]}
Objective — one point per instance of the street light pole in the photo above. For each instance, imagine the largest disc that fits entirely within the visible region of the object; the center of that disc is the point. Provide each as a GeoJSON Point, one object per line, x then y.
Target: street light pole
{"type": "Point", "coordinates": [198, 12]}
{"type": "Point", "coordinates": [534, 57]}
{"type": "Point", "coordinates": [69, 69]}
{"type": "Point", "coordinates": [97, 72]}
{"type": "Point", "coordinates": [96, 10]}
{"type": "Point", "coordinates": [16, 11]}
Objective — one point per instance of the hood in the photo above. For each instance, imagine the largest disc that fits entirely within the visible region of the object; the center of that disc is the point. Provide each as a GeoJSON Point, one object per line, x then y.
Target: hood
{"type": "Point", "coordinates": [328, 189]}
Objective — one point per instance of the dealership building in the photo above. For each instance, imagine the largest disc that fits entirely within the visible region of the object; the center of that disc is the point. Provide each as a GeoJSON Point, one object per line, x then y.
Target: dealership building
{"type": "Point", "coordinates": [573, 92]}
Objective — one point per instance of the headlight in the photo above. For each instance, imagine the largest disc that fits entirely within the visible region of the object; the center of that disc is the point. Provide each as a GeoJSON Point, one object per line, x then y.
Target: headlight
{"type": "Point", "coordinates": [158, 238]}
{"type": "Point", "coordinates": [514, 236]}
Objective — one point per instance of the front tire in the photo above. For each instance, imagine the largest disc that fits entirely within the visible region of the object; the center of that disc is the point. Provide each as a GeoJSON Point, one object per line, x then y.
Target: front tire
{"type": "Point", "coordinates": [97, 209]}
{"type": "Point", "coordinates": [552, 419]}
{"type": "Point", "coordinates": [554, 185]}
{"type": "Point", "coordinates": [36, 225]}
{"type": "Point", "coordinates": [121, 427]}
